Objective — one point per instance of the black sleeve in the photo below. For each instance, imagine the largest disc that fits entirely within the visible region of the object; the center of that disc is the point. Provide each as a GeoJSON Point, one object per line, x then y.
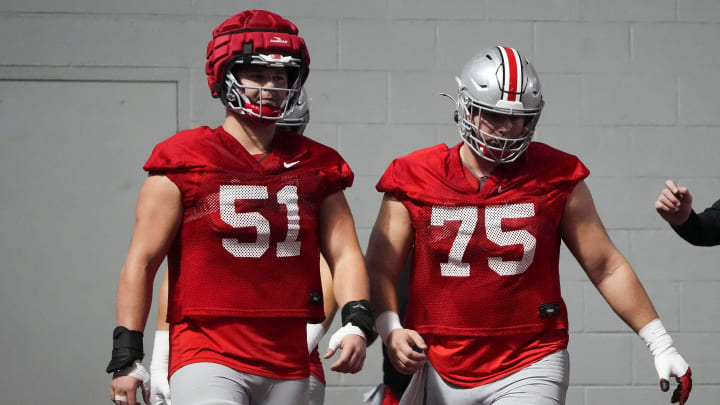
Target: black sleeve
{"type": "Point", "coordinates": [702, 229]}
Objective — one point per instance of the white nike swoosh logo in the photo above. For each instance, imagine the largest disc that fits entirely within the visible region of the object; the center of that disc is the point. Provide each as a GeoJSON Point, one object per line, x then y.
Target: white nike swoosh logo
{"type": "Point", "coordinates": [291, 164]}
{"type": "Point", "coordinates": [501, 188]}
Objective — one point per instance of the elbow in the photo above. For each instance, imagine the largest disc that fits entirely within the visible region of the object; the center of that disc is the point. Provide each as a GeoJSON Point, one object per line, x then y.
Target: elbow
{"type": "Point", "coordinates": [603, 269]}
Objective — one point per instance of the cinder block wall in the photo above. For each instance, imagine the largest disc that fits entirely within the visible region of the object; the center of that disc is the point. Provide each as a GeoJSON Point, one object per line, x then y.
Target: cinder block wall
{"type": "Point", "coordinates": [88, 87]}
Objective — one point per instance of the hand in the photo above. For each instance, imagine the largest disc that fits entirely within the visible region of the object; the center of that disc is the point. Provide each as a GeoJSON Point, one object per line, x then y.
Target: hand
{"type": "Point", "coordinates": [351, 341]}
{"type": "Point", "coordinates": [125, 383]}
{"type": "Point", "coordinates": [670, 363]}
{"type": "Point", "coordinates": [405, 348]}
{"type": "Point", "coordinates": [159, 387]}
{"type": "Point", "coordinates": [674, 203]}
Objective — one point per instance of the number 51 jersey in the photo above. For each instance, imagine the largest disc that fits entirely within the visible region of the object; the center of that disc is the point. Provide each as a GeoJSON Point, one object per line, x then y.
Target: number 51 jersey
{"type": "Point", "coordinates": [248, 244]}
{"type": "Point", "coordinates": [485, 261]}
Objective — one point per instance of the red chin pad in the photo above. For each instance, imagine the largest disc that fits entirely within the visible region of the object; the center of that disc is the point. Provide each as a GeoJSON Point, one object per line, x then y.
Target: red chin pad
{"type": "Point", "coordinates": [270, 112]}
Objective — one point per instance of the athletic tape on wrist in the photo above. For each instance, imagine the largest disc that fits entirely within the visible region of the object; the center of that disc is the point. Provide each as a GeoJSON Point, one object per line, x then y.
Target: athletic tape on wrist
{"type": "Point", "coordinates": [656, 337]}
{"type": "Point", "coordinates": [387, 322]}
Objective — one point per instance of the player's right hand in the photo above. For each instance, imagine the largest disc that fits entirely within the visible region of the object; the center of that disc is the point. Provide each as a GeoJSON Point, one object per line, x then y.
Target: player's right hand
{"type": "Point", "coordinates": [674, 203]}
{"type": "Point", "coordinates": [401, 347]}
{"type": "Point", "coordinates": [125, 383]}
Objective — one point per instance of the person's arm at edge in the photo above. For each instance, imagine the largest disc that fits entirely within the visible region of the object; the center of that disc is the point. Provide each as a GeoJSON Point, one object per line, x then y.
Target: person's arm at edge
{"type": "Point", "coordinates": [586, 237]}
{"type": "Point", "coordinates": [701, 229]}
{"type": "Point", "coordinates": [390, 242]}
{"type": "Point", "coordinates": [158, 217]}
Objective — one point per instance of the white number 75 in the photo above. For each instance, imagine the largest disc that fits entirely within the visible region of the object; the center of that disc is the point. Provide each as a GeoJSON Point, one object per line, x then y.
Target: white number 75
{"type": "Point", "coordinates": [494, 215]}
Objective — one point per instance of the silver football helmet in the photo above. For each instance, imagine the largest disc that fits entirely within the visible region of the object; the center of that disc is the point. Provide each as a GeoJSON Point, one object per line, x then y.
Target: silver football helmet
{"type": "Point", "coordinates": [298, 114]}
{"type": "Point", "coordinates": [498, 80]}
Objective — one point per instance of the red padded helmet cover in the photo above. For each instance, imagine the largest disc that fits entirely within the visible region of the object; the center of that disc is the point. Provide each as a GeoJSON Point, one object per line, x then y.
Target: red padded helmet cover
{"type": "Point", "coordinates": [266, 33]}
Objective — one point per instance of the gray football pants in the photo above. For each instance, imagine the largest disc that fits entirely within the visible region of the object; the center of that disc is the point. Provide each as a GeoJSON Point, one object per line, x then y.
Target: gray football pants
{"type": "Point", "coordinates": [544, 382]}
{"type": "Point", "coordinates": [317, 391]}
{"type": "Point", "coordinates": [215, 384]}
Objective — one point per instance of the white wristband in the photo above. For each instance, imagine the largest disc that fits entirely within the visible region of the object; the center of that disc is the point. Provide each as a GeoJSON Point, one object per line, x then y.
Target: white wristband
{"type": "Point", "coordinates": [387, 322]}
{"type": "Point", "coordinates": [656, 337]}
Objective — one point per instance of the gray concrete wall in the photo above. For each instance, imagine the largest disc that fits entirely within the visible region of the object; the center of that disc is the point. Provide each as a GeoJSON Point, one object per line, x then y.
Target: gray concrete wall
{"type": "Point", "coordinates": [87, 87]}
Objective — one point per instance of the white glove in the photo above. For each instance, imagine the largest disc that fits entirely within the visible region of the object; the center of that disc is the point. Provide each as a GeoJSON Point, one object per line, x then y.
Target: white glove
{"type": "Point", "coordinates": [315, 332]}
{"type": "Point", "coordinates": [159, 386]}
{"type": "Point", "coordinates": [337, 337]}
{"type": "Point", "coordinates": [668, 362]}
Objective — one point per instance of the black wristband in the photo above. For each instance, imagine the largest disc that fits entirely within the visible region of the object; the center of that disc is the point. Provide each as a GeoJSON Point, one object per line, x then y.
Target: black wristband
{"type": "Point", "coordinates": [127, 347]}
{"type": "Point", "coordinates": [361, 315]}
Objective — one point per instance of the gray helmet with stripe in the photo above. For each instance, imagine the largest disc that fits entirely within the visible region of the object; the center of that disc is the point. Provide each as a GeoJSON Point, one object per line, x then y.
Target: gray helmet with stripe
{"type": "Point", "coordinates": [298, 114]}
{"type": "Point", "coordinates": [500, 80]}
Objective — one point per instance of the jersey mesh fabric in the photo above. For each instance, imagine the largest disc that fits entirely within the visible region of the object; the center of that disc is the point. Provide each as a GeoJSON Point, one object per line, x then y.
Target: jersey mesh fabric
{"type": "Point", "coordinates": [273, 348]}
{"type": "Point", "coordinates": [248, 245]}
{"type": "Point", "coordinates": [486, 260]}
{"type": "Point", "coordinates": [473, 361]}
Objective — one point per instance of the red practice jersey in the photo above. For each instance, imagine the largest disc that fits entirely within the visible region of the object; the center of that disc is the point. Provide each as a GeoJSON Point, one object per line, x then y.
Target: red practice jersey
{"type": "Point", "coordinates": [485, 261]}
{"type": "Point", "coordinates": [248, 244]}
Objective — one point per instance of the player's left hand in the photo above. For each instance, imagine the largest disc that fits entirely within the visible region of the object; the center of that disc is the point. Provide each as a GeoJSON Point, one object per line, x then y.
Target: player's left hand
{"type": "Point", "coordinates": [351, 341]}
{"type": "Point", "coordinates": [670, 364]}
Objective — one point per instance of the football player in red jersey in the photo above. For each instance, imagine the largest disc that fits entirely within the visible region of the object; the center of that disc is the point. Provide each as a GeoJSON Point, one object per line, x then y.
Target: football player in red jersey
{"type": "Point", "coordinates": [242, 214]}
{"type": "Point", "coordinates": [294, 122]}
{"type": "Point", "coordinates": [486, 323]}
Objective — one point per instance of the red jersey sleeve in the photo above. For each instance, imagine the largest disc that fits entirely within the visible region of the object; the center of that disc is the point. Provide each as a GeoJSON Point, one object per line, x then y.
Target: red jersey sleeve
{"type": "Point", "coordinates": [178, 159]}
{"type": "Point", "coordinates": [337, 174]}
{"type": "Point", "coordinates": [413, 175]}
{"type": "Point", "coordinates": [562, 171]}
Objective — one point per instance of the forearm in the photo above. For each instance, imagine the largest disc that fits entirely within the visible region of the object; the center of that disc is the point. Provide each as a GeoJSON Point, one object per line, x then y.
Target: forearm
{"type": "Point", "coordinates": [350, 279]}
{"type": "Point", "coordinates": [340, 247]}
{"type": "Point", "coordinates": [163, 304]}
{"type": "Point", "coordinates": [382, 287]}
{"type": "Point", "coordinates": [626, 296]}
{"type": "Point", "coordinates": [388, 249]}
{"type": "Point", "coordinates": [329, 304]}
{"type": "Point", "coordinates": [135, 295]}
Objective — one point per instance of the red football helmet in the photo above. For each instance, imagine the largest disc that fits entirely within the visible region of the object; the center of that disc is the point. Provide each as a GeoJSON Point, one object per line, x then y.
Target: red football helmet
{"type": "Point", "coordinates": [255, 37]}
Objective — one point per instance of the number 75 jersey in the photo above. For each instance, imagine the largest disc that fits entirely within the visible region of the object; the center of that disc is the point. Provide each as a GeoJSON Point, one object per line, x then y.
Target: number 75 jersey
{"type": "Point", "coordinates": [248, 244]}
{"type": "Point", "coordinates": [485, 261]}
